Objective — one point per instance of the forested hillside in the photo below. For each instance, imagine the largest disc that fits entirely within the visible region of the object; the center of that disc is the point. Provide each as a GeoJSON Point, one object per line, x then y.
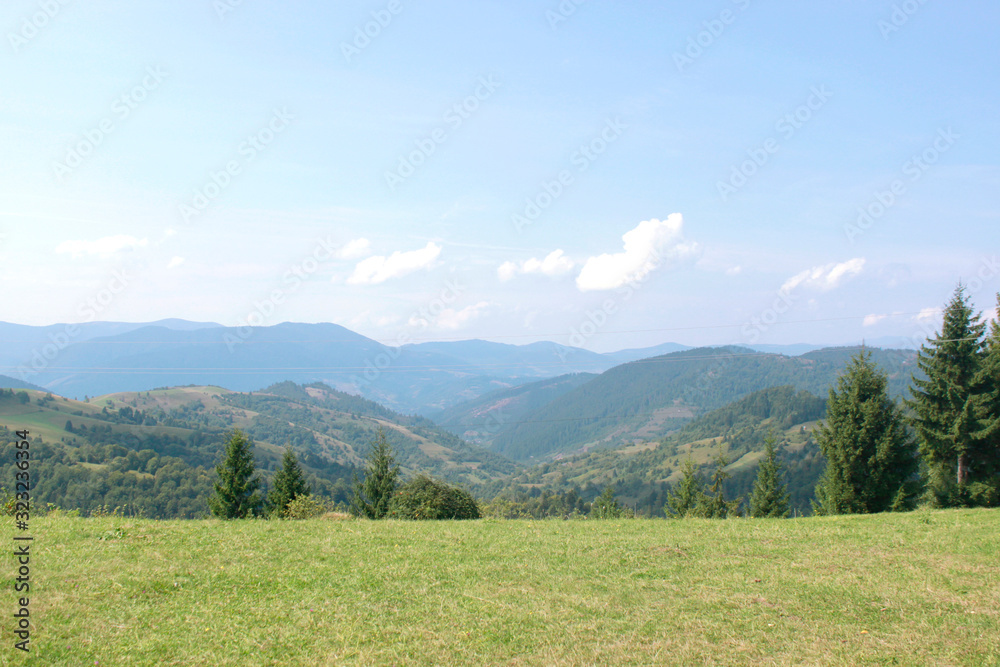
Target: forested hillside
{"type": "Point", "coordinates": [651, 398]}
{"type": "Point", "coordinates": [642, 474]}
{"type": "Point", "coordinates": [156, 450]}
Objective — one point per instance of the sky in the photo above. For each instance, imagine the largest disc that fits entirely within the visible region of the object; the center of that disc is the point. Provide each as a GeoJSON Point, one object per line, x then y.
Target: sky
{"type": "Point", "coordinates": [600, 174]}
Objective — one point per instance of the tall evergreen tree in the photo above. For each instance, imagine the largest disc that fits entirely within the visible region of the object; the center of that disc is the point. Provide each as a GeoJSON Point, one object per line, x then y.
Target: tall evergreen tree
{"type": "Point", "coordinates": [683, 497]}
{"type": "Point", "coordinates": [289, 483]}
{"type": "Point", "coordinates": [984, 489]}
{"type": "Point", "coordinates": [870, 455]}
{"type": "Point", "coordinates": [372, 495]}
{"type": "Point", "coordinates": [237, 494]}
{"type": "Point", "coordinates": [769, 498]}
{"type": "Point", "coordinates": [713, 504]}
{"type": "Point", "coordinates": [951, 407]}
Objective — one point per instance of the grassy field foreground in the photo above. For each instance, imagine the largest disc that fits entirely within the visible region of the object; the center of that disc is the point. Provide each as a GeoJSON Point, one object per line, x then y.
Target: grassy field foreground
{"type": "Point", "coordinates": [919, 588]}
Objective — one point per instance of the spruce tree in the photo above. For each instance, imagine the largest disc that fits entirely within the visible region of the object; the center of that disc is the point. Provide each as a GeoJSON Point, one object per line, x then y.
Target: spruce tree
{"type": "Point", "coordinates": [605, 506]}
{"type": "Point", "coordinates": [713, 505]}
{"type": "Point", "coordinates": [984, 488]}
{"type": "Point", "coordinates": [373, 494]}
{"type": "Point", "coordinates": [769, 498]}
{"type": "Point", "coordinates": [289, 483]}
{"type": "Point", "coordinates": [683, 497]}
{"type": "Point", "coordinates": [951, 407]}
{"type": "Point", "coordinates": [870, 455]}
{"type": "Point", "coordinates": [237, 493]}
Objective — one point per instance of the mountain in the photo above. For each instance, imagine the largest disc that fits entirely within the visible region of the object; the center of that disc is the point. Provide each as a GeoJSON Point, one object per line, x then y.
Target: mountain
{"type": "Point", "coordinates": [643, 473]}
{"type": "Point", "coordinates": [480, 419]}
{"type": "Point", "coordinates": [13, 383]}
{"type": "Point", "coordinates": [156, 449]}
{"type": "Point", "coordinates": [650, 398]}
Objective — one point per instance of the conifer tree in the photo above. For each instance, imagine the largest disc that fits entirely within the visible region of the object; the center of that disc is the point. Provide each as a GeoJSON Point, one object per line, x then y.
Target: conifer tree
{"type": "Point", "coordinates": [769, 498]}
{"type": "Point", "coordinates": [951, 408]}
{"type": "Point", "coordinates": [870, 455]}
{"type": "Point", "coordinates": [289, 484]}
{"type": "Point", "coordinates": [984, 488]}
{"type": "Point", "coordinates": [237, 493]}
{"type": "Point", "coordinates": [683, 497]}
{"type": "Point", "coordinates": [605, 506]}
{"type": "Point", "coordinates": [713, 505]}
{"type": "Point", "coordinates": [372, 495]}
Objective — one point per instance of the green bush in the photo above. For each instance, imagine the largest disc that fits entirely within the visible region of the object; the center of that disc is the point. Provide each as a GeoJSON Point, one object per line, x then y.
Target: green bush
{"type": "Point", "coordinates": [426, 498]}
{"type": "Point", "coordinates": [306, 507]}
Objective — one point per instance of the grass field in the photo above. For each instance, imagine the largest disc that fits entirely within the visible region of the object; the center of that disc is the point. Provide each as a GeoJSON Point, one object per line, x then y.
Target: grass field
{"type": "Point", "coordinates": [907, 589]}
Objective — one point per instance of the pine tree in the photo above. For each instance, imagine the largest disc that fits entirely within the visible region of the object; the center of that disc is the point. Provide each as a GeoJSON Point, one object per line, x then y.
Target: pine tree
{"type": "Point", "coordinates": [236, 488]}
{"type": "Point", "coordinates": [769, 498]}
{"type": "Point", "coordinates": [605, 506]}
{"type": "Point", "coordinates": [713, 505]}
{"type": "Point", "coordinates": [951, 407]}
{"type": "Point", "coordinates": [984, 489]}
{"type": "Point", "coordinates": [684, 496]}
{"type": "Point", "coordinates": [372, 496]}
{"type": "Point", "coordinates": [870, 455]}
{"type": "Point", "coordinates": [289, 484]}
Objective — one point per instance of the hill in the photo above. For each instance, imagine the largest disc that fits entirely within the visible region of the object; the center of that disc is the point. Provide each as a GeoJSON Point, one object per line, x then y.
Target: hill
{"type": "Point", "coordinates": [480, 419]}
{"type": "Point", "coordinates": [156, 450]}
{"type": "Point", "coordinates": [649, 399]}
{"type": "Point", "coordinates": [13, 383]}
{"type": "Point", "coordinates": [915, 588]}
{"type": "Point", "coordinates": [642, 473]}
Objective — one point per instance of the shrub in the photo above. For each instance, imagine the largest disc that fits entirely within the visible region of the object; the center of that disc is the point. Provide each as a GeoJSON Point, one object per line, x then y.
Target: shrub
{"type": "Point", "coordinates": [306, 507]}
{"type": "Point", "coordinates": [426, 498]}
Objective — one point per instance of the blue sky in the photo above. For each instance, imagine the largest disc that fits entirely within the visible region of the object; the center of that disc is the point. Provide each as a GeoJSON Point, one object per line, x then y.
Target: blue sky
{"type": "Point", "coordinates": [607, 175]}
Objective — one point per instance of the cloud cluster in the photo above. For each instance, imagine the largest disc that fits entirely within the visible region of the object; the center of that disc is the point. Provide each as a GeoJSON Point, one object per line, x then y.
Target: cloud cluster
{"type": "Point", "coordinates": [379, 268]}
{"type": "Point", "coordinates": [644, 249]}
{"type": "Point", "coordinates": [554, 264]}
{"type": "Point", "coordinates": [825, 277]}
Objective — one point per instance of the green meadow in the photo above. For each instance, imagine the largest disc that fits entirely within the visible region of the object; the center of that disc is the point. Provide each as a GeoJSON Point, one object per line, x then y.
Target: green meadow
{"type": "Point", "coordinates": [921, 588]}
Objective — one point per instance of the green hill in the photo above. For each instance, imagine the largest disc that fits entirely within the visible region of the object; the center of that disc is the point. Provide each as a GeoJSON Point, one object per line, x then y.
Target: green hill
{"type": "Point", "coordinates": [642, 473]}
{"type": "Point", "coordinates": [156, 450]}
{"type": "Point", "coordinates": [649, 399]}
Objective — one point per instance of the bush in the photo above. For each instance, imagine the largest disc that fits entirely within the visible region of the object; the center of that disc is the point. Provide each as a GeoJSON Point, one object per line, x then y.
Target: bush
{"type": "Point", "coordinates": [426, 498]}
{"type": "Point", "coordinates": [306, 507]}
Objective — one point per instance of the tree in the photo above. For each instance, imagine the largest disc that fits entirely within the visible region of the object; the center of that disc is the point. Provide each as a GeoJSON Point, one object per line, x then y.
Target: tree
{"type": "Point", "coordinates": [769, 498]}
{"type": "Point", "coordinates": [289, 484]}
{"type": "Point", "coordinates": [713, 505]}
{"type": "Point", "coordinates": [236, 487]}
{"type": "Point", "coordinates": [952, 409]}
{"type": "Point", "coordinates": [605, 506]}
{"type": "Point", "coordinates": [426, 498]}
{"type": "Point", "coordinates": [870, 455]}
{"type": "Point", "coordinates": [684, 496]}
{"type": "Point", "coordinates": [372, 496]}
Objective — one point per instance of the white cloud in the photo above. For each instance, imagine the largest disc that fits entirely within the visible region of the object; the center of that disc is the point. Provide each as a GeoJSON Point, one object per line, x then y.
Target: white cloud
{"type": "Point", "coordinates": [872, 320]}
{"type": "Point", "coordinates": [554, 264]}
{"type": "Point", "coordinates": [927, 314]}
{"type": "Point", "coordinates": [825, 277]}
{"type": "Point", "coordinates": [105, 247]}
{"type": "Point", "coordinates": [355, 249]}
{"type": "Point", "coordinates": [644, 248]}
{"type": "Point", "coordinates": [175, 262]}
{"type": "Point", "coordinates": [734, 271]}
{"type": "Point", "coordinates": [379, 268]}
